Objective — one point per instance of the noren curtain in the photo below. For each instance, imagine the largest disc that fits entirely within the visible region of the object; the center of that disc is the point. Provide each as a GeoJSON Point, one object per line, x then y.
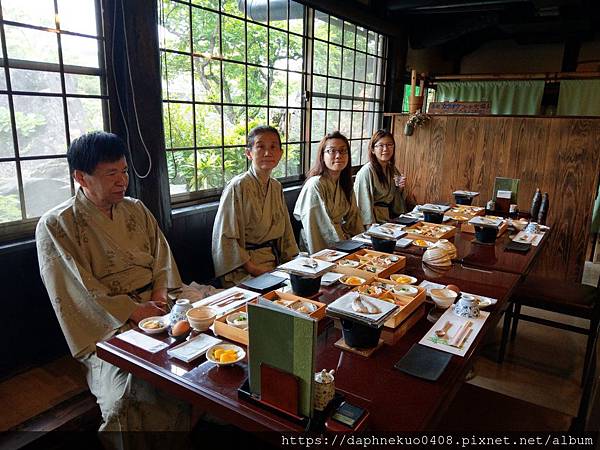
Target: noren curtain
{"type": "Point", "coordinates": [579, 98]}
{"type": "Point", "coordinates": [506, 96]}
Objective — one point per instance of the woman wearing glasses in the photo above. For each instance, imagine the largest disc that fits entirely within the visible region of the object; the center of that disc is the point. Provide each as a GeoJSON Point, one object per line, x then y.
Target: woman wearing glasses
{"type": "Point", "coordinates": [379, 186]}
{"type": "Point", "coordinates": [326, 205]}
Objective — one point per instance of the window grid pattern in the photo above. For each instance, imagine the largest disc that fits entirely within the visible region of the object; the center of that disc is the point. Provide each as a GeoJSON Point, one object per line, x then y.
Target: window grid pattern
{"type": "Point", "coordinates": [52, 89]}
{"type": "Point", "coordinates": [225, 71]}
{"type": "Point", "coordinates": [237, 82]}
{"type": "Point", "coordinates": [348, 85]}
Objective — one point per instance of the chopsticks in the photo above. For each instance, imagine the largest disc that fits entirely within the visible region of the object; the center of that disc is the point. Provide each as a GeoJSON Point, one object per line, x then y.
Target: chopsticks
{"type": "Point", "coordinates": [461, 335]}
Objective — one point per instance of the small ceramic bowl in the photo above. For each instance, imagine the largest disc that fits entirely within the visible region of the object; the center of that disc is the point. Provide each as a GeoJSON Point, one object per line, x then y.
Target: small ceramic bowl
{"type": "Point", "coordinates": [154, 325]}
{"type": "Point", "coordinates": [238, 320]}
{"type": "Point", "coordinates": [211, 356]}
{"type": "Point", "coordinates": [405, 289]}
{"type": "Point", "coordinates": [443, 298]}
{"type": "Point", "coordinates": [201, 317]}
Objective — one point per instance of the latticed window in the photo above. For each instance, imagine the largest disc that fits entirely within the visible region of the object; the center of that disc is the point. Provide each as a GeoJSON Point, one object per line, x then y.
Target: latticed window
{"type": "Point", "coordinates": [52, 90]}
{"type": "Point", "coordinates": [228, 66]}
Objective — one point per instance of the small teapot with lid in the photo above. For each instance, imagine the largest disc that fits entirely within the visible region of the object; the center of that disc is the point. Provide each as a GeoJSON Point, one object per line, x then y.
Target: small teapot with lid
{"type": "Point", "coordinates": [324, 388]}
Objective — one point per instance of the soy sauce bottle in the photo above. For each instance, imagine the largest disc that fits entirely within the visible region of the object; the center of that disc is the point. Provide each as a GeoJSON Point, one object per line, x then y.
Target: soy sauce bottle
{"type": "Point", "coordinates": [535, 204]}
{"type": "Point", "coordinates": [543, 213]}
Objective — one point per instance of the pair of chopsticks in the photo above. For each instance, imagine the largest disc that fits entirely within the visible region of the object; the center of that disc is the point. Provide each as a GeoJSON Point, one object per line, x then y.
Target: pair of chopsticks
{"type": "Point", "coordinates": [462, 335]}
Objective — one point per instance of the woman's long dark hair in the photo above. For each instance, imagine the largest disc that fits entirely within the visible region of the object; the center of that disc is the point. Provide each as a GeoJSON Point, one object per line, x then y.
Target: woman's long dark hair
{"type": "Point", "coordinates": [377, 136]}
{"type": "Point", "coordinates": [319, 167]}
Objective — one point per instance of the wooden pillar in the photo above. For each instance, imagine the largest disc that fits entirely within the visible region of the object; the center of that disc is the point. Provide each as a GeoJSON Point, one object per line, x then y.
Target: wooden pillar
{"type": "Point", "coordinates": [134, 89]}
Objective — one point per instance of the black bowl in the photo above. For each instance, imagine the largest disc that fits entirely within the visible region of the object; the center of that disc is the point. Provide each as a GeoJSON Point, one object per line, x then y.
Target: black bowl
{"type": "Point", "coordinates": [486, 235]}
{"type": "Point", "coordinates": [433, 217]}
{"type": "Point", "coordinates": [383, 245]}
{"type": "Point", "coordinates": [357, 335]}
{"type": "Point", "coordinates": [304, 286]}
{"type": "Point", "coordinates": [463, 200]}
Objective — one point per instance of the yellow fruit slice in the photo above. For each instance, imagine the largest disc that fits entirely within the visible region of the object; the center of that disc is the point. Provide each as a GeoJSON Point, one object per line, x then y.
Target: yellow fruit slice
{"type": "Point", "coordinates": [218, 352]}
{"type": "Point", "coordinates": [228, 357]}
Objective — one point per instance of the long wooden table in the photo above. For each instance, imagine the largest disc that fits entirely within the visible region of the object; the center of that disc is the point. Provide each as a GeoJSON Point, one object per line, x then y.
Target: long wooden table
{"type": "Point", "coordinates": [487, 256]}
{"type": "Point", "coordinates": [396, 401]}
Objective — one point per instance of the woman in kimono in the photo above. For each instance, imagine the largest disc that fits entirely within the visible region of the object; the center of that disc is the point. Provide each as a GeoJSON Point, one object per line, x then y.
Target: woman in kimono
{"type": "Point", "coordinates": [379, 186]}
{"type": "Point", "coordinates": [252, 233]}
{"type": "Point", "coordinates": [326, 205]}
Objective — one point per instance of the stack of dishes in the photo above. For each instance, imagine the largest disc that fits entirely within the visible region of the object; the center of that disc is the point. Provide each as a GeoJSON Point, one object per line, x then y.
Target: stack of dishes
{"type": "Point", "coordinates": [437, 257]}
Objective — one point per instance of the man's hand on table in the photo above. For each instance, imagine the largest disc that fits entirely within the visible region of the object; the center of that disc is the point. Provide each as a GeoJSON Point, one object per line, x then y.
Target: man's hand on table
{"type": "Point", "coordinates": [256, 269]}
{"type": "Point", "coordinates": [148, 309]}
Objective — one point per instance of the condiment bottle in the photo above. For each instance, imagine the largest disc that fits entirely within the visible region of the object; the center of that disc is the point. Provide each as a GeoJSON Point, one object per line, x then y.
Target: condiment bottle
{"type": "Point", "coordinates": [545, 204]}
{"type": "Point", "coordinates": [535, 204]}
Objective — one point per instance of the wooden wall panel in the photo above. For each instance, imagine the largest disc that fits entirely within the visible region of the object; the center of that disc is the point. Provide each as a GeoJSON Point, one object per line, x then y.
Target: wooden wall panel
{"type": "Point", "coordinates": [561, 156]}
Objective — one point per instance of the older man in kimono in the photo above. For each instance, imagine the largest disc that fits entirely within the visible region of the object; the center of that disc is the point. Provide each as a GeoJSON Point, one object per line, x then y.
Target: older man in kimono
{"type": "Point", "coordinates": [106, 265]}
{"type": "Point", "coordinates": [252, 233]}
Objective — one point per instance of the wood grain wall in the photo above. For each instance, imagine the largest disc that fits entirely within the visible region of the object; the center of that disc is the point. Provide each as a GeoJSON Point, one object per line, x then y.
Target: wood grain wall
{"type": "Point", "coordinates": [561, 156]}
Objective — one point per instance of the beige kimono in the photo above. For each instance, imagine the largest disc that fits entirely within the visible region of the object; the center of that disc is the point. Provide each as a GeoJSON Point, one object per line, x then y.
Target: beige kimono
{"type": "Point", "coordinates": [378, 202]}
{"type": "Point", "coordinates": [326, 214]}
{"type": "Point", "coordinates": [96, 271]}
{"type": "Point", "coordinates": [252, 223]}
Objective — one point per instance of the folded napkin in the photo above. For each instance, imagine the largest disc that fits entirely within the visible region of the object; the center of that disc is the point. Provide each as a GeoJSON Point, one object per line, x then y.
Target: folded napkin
{"type": "Point", "coordinates": [193, 348]}
{"type": "Point", "coordinates": [142, 341]}
{"type": "Point", "coordinates": [424, 362]}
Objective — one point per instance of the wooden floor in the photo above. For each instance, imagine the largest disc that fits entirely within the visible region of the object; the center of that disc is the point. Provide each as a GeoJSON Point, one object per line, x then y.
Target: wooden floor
{"type": "Point", "coordinates": [36, 391]}
{"type": "Point", "coordinates": [543, 366]}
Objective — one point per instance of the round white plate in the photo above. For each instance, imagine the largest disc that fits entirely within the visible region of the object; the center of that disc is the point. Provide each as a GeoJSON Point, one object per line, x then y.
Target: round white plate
{"type": "Point", "coordinates": [411, 280]}
{"type": "Point", "coordinates": [240, 352]}
{"type": "Point", "coordinates": [344, 278]}
{"type": "Point", "coordinates": [163, 320]}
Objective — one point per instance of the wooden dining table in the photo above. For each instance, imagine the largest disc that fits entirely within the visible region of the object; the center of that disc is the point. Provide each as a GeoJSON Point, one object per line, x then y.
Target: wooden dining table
{"type": "Point", "coordinates": [396, 401]}
{"type": "Point", "coordinates": [472, 253]}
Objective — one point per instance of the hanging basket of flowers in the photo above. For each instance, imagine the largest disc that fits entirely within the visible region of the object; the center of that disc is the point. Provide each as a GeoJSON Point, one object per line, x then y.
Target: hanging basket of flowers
{"type": "Point", "coordinates": [415, 120]}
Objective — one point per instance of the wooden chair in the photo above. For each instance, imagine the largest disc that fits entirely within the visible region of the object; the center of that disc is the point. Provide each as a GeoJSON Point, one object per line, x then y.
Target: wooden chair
{"type": "Point", "coordinates": [571, 299]}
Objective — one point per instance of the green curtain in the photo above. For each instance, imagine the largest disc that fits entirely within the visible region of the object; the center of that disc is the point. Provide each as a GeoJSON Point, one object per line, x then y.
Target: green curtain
{"type": "Point", "coordinates": [579, 98]}
{"type": "Point", "coordinates": [506, 97]}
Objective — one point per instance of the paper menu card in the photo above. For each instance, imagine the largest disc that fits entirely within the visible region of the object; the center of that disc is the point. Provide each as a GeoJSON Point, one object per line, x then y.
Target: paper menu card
{"type": "Point", "coordinates": [456, 323]}
{"type": "Point", "coordinates": [192, 349]}
{"type": "Point", "coordinates": [142, 341]}
{"type": "Point", "coordinates": [286, 340]}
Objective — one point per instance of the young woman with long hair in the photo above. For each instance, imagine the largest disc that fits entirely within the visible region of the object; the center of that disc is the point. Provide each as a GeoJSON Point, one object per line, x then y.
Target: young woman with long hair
{"type": "Point", "coordinates": [326, 205]}
{"type": "Point", "coordinates": [379, 186]}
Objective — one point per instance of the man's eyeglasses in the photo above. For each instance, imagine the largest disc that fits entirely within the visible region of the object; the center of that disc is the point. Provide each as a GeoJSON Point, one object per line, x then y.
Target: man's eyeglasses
{"type": "Point", "coordinates": [381, 146]}
{"type": "Point", "coordinates": [333, 151]}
